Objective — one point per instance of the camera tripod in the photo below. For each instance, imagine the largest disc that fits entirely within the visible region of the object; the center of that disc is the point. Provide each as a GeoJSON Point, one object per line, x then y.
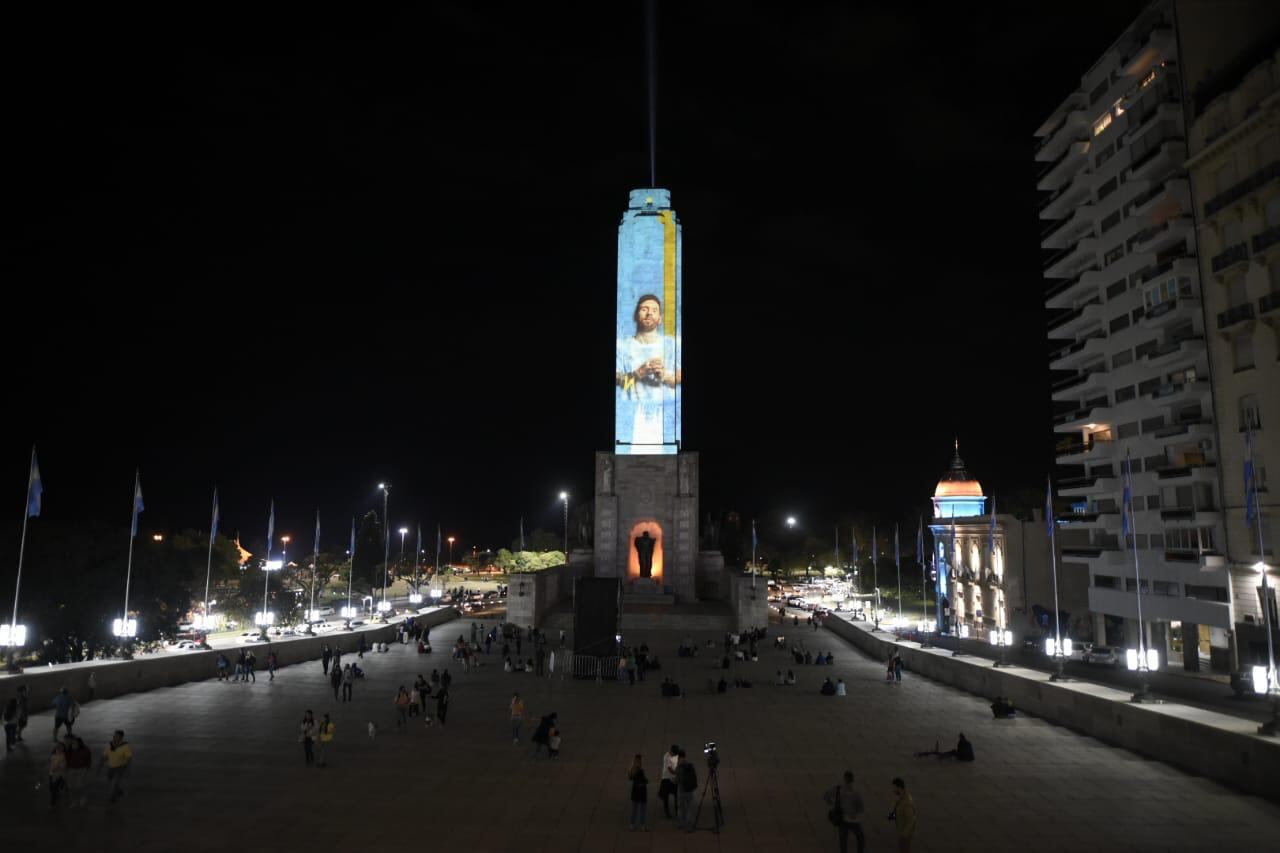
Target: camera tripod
{"type": "Point", "coordinates": [717, 810]}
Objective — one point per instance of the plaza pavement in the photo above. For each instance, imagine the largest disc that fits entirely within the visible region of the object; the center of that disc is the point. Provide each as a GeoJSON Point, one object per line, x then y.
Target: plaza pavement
{"type": "Point", "coordinates": [218, 767]}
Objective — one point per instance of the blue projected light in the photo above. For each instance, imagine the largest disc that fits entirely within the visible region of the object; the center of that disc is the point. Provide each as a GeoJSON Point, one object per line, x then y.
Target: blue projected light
{"type": "Point", "coordinates": [648, 371]}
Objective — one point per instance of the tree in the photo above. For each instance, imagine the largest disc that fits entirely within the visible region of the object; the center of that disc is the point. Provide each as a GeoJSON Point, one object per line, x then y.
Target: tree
{"type": "Point", "coordinates": [541, 540]}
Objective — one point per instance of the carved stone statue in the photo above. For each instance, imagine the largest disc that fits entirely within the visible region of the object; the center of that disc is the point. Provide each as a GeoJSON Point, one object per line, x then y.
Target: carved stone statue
{"type": "Point", "coordinates": [644, 549]}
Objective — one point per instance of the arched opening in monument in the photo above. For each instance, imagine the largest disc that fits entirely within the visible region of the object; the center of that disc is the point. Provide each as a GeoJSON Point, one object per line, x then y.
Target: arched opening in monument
{"type": "Point", "coordinates": [638, 530]}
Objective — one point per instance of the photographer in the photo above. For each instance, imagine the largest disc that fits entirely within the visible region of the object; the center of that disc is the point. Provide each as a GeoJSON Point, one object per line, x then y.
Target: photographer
{"type": "Point", "coordinates": [687, 786]}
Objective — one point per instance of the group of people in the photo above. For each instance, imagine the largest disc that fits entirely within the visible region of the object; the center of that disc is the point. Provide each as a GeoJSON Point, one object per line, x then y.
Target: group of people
{"type": "Point", "coordinates": [847, 810]}
{"type": "Point", "coordinates": [678, 780]}
{"type": "Point", "coordinates": [829, 689]}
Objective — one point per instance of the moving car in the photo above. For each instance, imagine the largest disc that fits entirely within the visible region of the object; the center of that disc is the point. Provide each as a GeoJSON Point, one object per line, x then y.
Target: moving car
{"type": "Point", "coordinates": [1111, 656]}
{"type": "Point", "coordinates": [251, 637]}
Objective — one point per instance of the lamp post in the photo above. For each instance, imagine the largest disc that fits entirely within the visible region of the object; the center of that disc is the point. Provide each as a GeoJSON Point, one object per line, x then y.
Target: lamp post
{"type": "Point", "coordinates": [384, 605]}
{"type": "Point", "coordinates": [450, 540]}
{"type": "Point", "coordinates": [791, 525]}
{"type": "Point", "coordinates": [403, 532]}
{"type": "Point", "coordinates": [564, 496]}
{"type": "Point", "coordinates": [415, 597]}
{"type": "Point", "coordinates": [14, 635]}
{"type": "Point", "coordinates": [1004, 639]}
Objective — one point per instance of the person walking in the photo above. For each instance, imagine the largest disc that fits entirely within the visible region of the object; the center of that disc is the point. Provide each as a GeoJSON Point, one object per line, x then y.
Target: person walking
{"type": "Point", "coordinates": [272, 661]}
{"type": "Point", "coordinates": [24, 709]}
{"type": "Point", "coordinates": [639, 796]}
{"type": "Point", "coordinates": [307, 737]}
{"type": "Point", "coordinates": [250, 661]}
{"type": "Point", "coordinates": [846, 812]}
{"type": "Point", "coordinates": [348, 681]}
{"type": "Point", "coordinates": [239, 673]}
{"type": "Point", "coordinates": [415, 699]}
{"type": "Point", "coordinates": [325, 656]}
{"type": "Point", "coordinates": [667, 782]}
{"type": "Point", "coordinates": [79, 760]}
{"type": "Point", "coordinates": [897, 668]}
{"type": "Point", "coordinates": [93, 685]}
{"type": "Point", "coordinates": [325, 732]}
{"type": "Point", "coordinates": [117, 757]}
{"type": "Point", "coordinates": [64, 712]}
{"type": "Point", "coordinates": [335, 680]}
{"type": "Point", "coordinates": [442, 704]}
{"type": "Point", "coordinates": [223, 665]}
{"type": "Point", "coordinates": [10, 724]}
{"type": "Point", "coordinates": [687, 782]}
{"type": "Point", "coordinates": [517, 716]}
{"type": "Point", "coordinates": [903, 815]}
{"type": "Point", "coordinates": [402, 709]}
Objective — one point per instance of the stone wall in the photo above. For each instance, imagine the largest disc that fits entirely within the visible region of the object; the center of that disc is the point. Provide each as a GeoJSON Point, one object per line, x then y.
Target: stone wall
{"type": "Point", "coordinates": [531, 595]}
{"type": "Point", "coordinates": [750, 607]}
{"type": "Point", "coordinates": [169, 669]}
{"type": "Point", "coordinates": [1229, 753]}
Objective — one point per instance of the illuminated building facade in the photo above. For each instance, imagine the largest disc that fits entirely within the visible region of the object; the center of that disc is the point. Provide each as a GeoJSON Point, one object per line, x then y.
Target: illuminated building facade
{"type": "Point", "coordinates": [1131, 366]}
{"type": "Point", "coordinates": [969, 556]}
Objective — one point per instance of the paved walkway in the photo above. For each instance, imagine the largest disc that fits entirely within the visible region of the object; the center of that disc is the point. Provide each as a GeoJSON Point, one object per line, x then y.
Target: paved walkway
{"type": "Point", "coordinates": [219, 766]}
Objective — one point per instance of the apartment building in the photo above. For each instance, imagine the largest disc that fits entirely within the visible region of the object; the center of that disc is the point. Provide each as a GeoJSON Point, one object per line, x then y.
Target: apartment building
{"type": "Point", "coordinates": [1232, 85]}
{"type": "Point", "coordinates": [1129, 355]}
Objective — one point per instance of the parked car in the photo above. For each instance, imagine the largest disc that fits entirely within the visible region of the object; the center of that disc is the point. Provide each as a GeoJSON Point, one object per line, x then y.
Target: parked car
{"type": "Point", "coordinates": [1079, 651]}
{"type": "Point", "coordinates": [1111, 656]}
{"type": "Point", "coordinates": [326, 611]}
{"type": "Point", "coordinates": [354, 623]}
{"type": "Point", "coordinates": [251, 637]}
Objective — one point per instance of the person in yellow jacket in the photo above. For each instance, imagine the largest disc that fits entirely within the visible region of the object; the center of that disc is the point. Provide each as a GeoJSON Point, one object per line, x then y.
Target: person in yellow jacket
{"type": "Point", "coordinates": [117, 757]}
{"type": "Point", "coordinates": [326, 737]}
{"type": "Point", "coordinates": [903, 815]}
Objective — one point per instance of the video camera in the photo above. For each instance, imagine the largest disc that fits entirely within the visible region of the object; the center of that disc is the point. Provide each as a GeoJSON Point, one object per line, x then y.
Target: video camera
{"type": "Point", "coordinates": [710, 750]}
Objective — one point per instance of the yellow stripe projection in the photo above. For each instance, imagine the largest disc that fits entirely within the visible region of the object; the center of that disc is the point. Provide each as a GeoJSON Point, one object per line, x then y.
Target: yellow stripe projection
{"type": "Point", "coordinates": [668, 272]}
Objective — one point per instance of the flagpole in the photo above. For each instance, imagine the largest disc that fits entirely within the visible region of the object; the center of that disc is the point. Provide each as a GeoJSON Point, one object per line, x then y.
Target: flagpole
{"type": "Point", "coordinates": [417, 561]}
{"type": "Point", "coordinates": [875, 578]}
{"type": "Point", "coordinates": [315, 559]}
{"type": "Point", "coordinates": [1053, 557]}
{"type": "Point", "coordinates": [128, 572]}
{"type": "Point", "coordinates": [208, 568]}
{"type": "Point", "coordinates": [897, 559]}
{"type": "Point", "coordinates": [1144, 688]}
{"type": "Point", "coordinates": [924, 577]}
{"type": "Point", "coordinates": [22, 549]}
{"type": "Point", "coordinates": [1251, 496]}
{"type": "Point", "coordinates": [753, 554]}
{"type": "Point", "coordinates": [266, 572]}
{"type": "Point", "coordinates": [951, 570]}
{"type": "Point", "coordinates": [351, 567]}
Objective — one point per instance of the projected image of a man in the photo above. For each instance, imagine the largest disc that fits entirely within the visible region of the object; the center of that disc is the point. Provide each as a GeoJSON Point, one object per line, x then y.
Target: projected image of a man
{"type": "Point", "coordinates": [648, 372]}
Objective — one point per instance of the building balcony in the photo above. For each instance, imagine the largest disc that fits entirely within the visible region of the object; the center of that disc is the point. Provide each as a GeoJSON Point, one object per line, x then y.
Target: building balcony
{"type": "Point", "coordinates": [1205, 472]}
{"type": "Point", "coordinates": [1238, 192]}
{"type": "Point", "coordinates": [1061, 170]}
{"type": "Point", "coordinates": [1107, 521]}
{"type": "Point", "coordinates": [1076, 420]}
{"type": "Point", "coordinates": [1167, 313]}
{"type": "Point", "coordinates": [1162, 192]}
{"type": "Point", "coordinates": [1234, 316]}
{"type": "Point", "coordinates": [1065, 198]}
{"type": "Point", "coordinates": [1180, 264]}
{"type": "Point", "coordinates": [1072, 355]}
{"type": "Point", "coordinates": [1160, 237]}
{"type": "Point", "coordinates": [1082, 452]}
{"type": "Point", "coordinates": [1066, 325]}
{"type": "Point", "coordinates": [1071, 261]}
{"type": "Point", "coordinates": [1261, 242]}
{"type": "Point", "coordinates": [1229, 258]}
{"type": "Point", "coordinates": [1193, 430]}
{"type": "Point", "coordinates": [1177, 393]}
{"type": "Point", "coordinates": [1175, 351]}
{"type": "Point", "coordinates": [1063, 234]}
{"type": "Point", "coordinates": [1189, 515]}
{"type": "Point", "coordinates": [1082, 385]}
{"type": "Point", "coordinates": [1072, 127]}
{"type": "Point", "coordinates": [1269, 307]}
{"type": "Point", "coordinates": [1117, 602]}
{"type": "Point", "coordinates": [1066, 293]}
{"type": "Point", "coordinates": [1149, 48]}
{"type": "Point", "coordinates": [1090, 484]}
{"type": "Point", "coordinates": [1169, 152]}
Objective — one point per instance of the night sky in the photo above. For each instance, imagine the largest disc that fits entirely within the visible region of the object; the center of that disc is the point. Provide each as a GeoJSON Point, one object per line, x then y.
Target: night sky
{"type": "Point", "coordinates": [293, 258]}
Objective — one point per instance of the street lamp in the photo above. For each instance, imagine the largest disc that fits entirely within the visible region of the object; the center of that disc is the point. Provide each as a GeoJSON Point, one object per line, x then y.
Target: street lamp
{"type": "Point", "coordinates": [564, 496]}
{"type": "Point", "coordinates": [1264, 680]}
{"type": "Point", "coordinates": [1003, 639]}
{"type": "Point", "coordinates": [451, 538]}
{"type": "Point", "coordinates": [157, 537]}
{"type": "Point", "coordinates": [384, 605]}
{"type": "Point", "coordinates": [403, 532]}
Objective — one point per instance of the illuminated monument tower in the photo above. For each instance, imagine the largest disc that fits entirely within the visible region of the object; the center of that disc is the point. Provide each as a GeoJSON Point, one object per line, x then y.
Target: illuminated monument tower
{"type": "Point", "coordinates": [646, 509]}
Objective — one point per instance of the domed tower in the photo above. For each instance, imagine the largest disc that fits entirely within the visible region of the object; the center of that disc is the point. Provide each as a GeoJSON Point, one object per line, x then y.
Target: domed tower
{"type": "Point", "coordinates": [968, 555]}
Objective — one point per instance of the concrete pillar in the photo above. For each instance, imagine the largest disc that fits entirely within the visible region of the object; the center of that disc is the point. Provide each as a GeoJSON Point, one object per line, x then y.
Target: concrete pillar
{"type": "Point", "coordinates": [1099, 629]}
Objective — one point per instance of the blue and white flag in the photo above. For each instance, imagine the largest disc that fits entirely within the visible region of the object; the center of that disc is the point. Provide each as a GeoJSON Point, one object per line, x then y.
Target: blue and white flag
{"type": "Point", "coordinates": [351, 552]}
{"type": "Point", "coordinates": [271, 528]}
{"type": "Point", "coordinates": [137, 503]}
{"type": "Point", "coordinates": [873, 544]}
{"type": "Point", "coordinates": [993, 525]}
{"type": "Point", "coordinates": [1127, 498]}
{"type": "Point", "coordinates": [418, 558]}
{"type": "Point", "coordinates": [213, 525]}
{"type": "Point", "coordinates": [521, 535]}
{"type": "Point", "coordinates": [35, 487]}
{"type": "Point", "coordinates": [897, 558]}
{"type": "Point", "coordinates": [1048, 507]}
{"type": "Point", "coordinates": [317, 551]}
{"type": "Point", "coordinates": [1250, 485]}
{"type": "Point", "coordinates": [754, 540]}
{"type": "Point", "coordinates": [854, 535]}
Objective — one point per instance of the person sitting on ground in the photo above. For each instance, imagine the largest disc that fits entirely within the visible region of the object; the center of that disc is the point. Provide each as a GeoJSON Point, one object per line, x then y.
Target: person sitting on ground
{"type": "Point", "coordinates": [722, 686]}
{"type": "Point", "coordinates": [962, 752]}
{"type": "Point", "coordinates": [506, 666]}
{"type": "Point", "coordinates": [827, 689]}
{"type": "Point", "coordinates": [808, 658]}
{"type": "Point", "coordinates": [840, 691]}
{"type": "Point", "coordinates": [831, 659]}
{"type": "Point", "coordinates": [1002, 707]}
{"type": "Point", "coordinates": [791, 678]}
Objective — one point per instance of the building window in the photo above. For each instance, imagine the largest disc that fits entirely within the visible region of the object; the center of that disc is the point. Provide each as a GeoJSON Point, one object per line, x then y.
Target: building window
{"type": "Point", "coordinates": [1165, 291]}
{"type": "Point", "coordinates": [1153, 424]}
{"type": "Point", "coordinates": [1109, 222]}
{"type": "Point", "coordinates": [1106, 582]}
{"type": "Point", "coordinates": [1120, 359]}
{"type": "Point", "coordinates": [1116, 289]}
{"type": "Point", "coordinates": [1127, 430]}
{"type": "Point", "coordinates": [1124, 395]}
{"type": "Point", "coordinates": [1102, 124]}
{"type": "Point", "coordinates": [1164, 587]}
{"type": "Point", "coordinates": [1107, 188]}
{"type": "Point", "coordinates": [1153, 501]}
{"type": "Point", "coordinates": [1225, 178]}
{"type": "Point", "coordinates": [1206, 593]}
{"type": "Point", "coordinates": [1121, 322]}
{"type": "Point", "coordinates": [1145, 347]}
{"type": "Point", "coordinates": [1242, 349]}
{"type": "Point", "coordinates": [1149, 385]}
{"type": "Point", "coordinates": [1273, 212]}
{"type": "Point", "coordinates": [1114, 255]}
{"type": "Point", "coordinates": [1130, 585]}
{"type": "Point", "coordinates": [1250, 414]}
